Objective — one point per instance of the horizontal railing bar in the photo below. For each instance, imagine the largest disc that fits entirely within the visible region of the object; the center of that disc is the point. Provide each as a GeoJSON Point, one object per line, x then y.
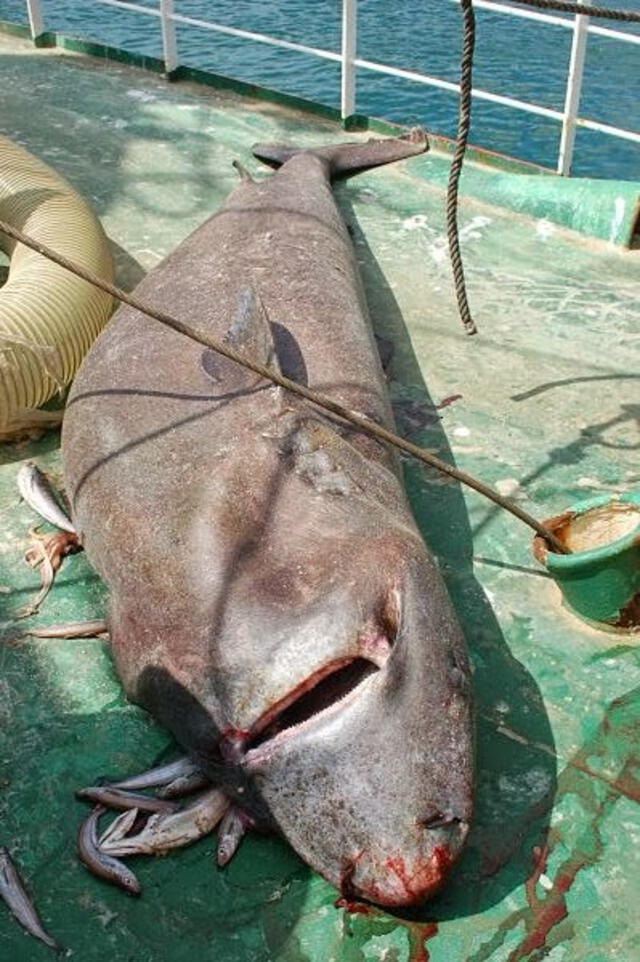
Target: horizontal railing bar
{"type": "Point", "coordinates": [133, 7]}
{"type": "Point", "coordinates": [455, 88]}
{"type": "Point", "coordinates": [614, 34]}
{"type": "Point", "coordinates": [519, 12]}
{"type": "Point", "coordinates": [420, 78]}
{"type": "Point", "coordinates": [607, 129]}
{"type": "Point", "coordinates": [567, 22]}
{"type": "Point", "coordinates": [258, 37]}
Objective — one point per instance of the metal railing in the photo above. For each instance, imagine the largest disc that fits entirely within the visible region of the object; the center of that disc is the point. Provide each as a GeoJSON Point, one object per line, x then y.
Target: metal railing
{"type": "Point", "coordinates": [569, 117]}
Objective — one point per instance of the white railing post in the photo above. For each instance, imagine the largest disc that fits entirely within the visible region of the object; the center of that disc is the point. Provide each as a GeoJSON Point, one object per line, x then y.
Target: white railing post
{"type": "Point", "coordinates": [36, 23]}
{"type": "Point", "coordinates": [349, 44]}
{"type": "Point", "coordinates": [169, 44]}
{"type": "Point", "coordinates": [574, 90]}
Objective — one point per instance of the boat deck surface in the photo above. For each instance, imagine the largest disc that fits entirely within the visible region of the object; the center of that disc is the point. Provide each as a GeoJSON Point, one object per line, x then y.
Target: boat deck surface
{"type": "Point", "coordinates": [543, 404]}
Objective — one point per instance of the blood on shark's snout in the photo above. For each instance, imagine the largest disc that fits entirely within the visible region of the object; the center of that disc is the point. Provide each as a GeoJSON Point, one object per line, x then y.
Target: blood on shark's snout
{"type": "Point", "coordinates": [419, 880]}
{"type": "Point", "coordinates": [397, 881]}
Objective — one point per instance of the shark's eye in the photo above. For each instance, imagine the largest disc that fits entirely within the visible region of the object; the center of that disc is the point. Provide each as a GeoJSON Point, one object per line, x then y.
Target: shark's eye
{"type": "Point", "coordinates": [316, 695]}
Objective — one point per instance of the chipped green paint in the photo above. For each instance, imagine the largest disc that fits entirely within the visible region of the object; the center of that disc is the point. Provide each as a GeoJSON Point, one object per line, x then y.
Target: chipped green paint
{"type": "Point", "coordinates": [542, 404]}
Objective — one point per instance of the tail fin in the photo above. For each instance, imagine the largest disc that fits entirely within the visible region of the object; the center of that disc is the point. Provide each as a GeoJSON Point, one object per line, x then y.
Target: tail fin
{"type": "Point", "coordinates": [345, 159]}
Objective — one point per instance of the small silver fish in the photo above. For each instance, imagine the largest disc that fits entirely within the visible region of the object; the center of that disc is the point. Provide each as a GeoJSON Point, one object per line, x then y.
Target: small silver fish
{"type": "Point", "coordinates": [75, 629]}
{"type": "Point", "coordinates": [185, 785]}
{"type": "Point", "coordinates": [112, 797]}
{"type": "Point", "coordinates": [160, 775]}
{"type": "Point", "coordinates": [165, 832]}
{"type": "Point", "coordinates": [120, 827]}
{"type": "Point", "coordinates": [232, 830]}
{"type": "Point", "coordinates": [99, 862]}
{"type": "Point", "coordinates": [14, 893]}
{"type": "Point", "coordinates": [38, 494]}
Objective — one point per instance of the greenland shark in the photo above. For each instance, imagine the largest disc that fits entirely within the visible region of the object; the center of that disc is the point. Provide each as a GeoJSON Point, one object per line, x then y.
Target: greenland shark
{"type": "Point", "coordinates": [272, 602]}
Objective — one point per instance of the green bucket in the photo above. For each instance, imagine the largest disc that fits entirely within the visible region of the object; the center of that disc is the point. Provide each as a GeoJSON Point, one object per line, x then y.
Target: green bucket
{"type": "Point", "coordinates": [599, 583]}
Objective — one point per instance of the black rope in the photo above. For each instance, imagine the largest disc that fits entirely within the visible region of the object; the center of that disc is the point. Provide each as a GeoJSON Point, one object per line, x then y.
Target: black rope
{"type": "Point", "coordinates": [464, 124]}
{"type": "Point", "coordinates": [562, 6]}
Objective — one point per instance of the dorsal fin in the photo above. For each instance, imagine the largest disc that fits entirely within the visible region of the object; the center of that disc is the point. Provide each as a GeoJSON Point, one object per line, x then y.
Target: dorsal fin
{"type": "Point", "coordinates": [250, 331]}
{"type": "Point", "coordinates": [250, 334]}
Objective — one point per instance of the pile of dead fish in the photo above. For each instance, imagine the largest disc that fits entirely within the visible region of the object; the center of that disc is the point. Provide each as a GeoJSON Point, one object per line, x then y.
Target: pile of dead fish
{"type": "Point", "coordinates": [147, 825]}
{"type": "Point", "coordinates": [152, 824]}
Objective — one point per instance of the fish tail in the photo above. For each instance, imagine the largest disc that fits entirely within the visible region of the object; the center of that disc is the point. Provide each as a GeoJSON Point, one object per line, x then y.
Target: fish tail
{"type": "Point", "coordinates": [345, 159]}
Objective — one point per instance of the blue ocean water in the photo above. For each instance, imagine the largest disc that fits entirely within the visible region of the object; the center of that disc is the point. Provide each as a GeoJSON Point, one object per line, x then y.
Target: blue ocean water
{"type": "Point", "coordinates": [514, 57]}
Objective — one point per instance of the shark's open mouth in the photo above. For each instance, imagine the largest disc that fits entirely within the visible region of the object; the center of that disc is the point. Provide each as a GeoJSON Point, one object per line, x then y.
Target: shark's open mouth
{"type": "Point", "coordinates": [331, 685]}
{"type": "Point", "coordinates": [316, 695]}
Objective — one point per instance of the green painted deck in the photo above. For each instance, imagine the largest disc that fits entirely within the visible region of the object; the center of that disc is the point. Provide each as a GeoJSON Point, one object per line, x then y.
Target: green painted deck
{"type": "Point", "coordinates": [548, 413]}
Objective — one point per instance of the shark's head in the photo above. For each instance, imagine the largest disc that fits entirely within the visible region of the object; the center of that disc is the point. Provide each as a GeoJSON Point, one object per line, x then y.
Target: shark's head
{"type": "Point", "coordinates": [328, 687]}
{"type": "Point", "coordinates": [339, 710]}
{"type": "Point", "coordinates": [367, 768]}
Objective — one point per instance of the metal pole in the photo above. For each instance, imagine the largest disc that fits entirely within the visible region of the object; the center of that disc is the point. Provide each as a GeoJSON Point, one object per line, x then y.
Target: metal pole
{"type": "Point", "coordinates": [574, 90]}
{"type": "Point", "coordinates": [349, 43]}
{"type": "Point", "coordinates": [169, 44]}
{"type": "Point", "coordinates": [36, 23]}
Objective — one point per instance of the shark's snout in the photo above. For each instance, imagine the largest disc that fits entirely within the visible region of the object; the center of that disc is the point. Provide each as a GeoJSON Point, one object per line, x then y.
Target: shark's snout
{"type": "Point", "coordinates": [401, 877]}
{"type": "Point", "coordinates": [367, 765]}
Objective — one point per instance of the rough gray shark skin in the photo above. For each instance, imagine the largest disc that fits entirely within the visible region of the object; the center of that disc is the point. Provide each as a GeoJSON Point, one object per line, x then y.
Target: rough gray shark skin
{"type": "Point", "coordinates": [271, 600]}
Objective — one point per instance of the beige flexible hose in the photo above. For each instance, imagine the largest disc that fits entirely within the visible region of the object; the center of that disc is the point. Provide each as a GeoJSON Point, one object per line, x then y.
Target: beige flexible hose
{"type": "Point", "coordinates": [48, 317]}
